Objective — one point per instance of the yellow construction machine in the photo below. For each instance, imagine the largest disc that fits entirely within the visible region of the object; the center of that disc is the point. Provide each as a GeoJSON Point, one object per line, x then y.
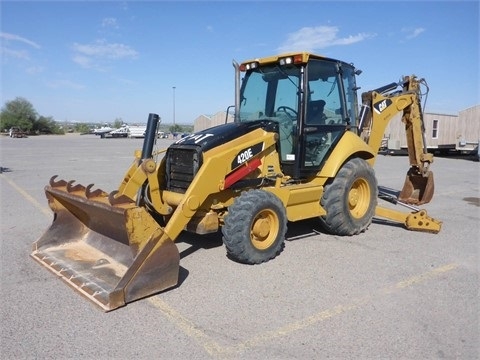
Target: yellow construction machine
{"type": "Point", "coordinates": [300, 147]}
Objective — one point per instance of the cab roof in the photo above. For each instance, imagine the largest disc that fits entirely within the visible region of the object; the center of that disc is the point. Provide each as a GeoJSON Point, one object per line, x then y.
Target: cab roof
{"type": "Point", "coordinates": [300, 57]}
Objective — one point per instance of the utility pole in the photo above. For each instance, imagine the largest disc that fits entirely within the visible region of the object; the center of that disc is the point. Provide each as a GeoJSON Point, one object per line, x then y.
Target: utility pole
{"type": "Point", "coordinates": [173, 88]}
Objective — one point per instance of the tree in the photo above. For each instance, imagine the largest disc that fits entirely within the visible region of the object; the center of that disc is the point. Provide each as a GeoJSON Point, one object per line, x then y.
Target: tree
{"type": "Point", "coordinates": [19, 113]}
{"type": "Point", "coordinates": [175, 129]}
{"type": "Point", "coordinates": [46, 125]}
{"type": "Point", "coordinates": [117, 123]}
{"type": "Point", "coordinates": [82, 128]}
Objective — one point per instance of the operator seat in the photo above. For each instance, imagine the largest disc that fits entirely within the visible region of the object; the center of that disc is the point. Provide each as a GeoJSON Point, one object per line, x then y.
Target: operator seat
{"type": "Point", "coordinates": [315, 115]}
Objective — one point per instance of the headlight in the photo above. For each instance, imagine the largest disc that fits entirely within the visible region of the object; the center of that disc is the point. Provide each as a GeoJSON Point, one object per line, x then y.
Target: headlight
{"type": "Point", "coordinates": [285, 61]}
{"type": "Point", "coordinates": [295, 59]}
{"type": "Point", "coordinates": [248, 66]}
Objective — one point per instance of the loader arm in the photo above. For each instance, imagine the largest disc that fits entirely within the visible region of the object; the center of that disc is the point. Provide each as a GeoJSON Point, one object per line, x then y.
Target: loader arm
{"type": "Point", "coordinates": [213, 177]}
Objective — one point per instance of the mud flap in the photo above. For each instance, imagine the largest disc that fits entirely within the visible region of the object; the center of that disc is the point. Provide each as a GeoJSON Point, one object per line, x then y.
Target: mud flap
{"type": "Point", "coordinates": [418, 189]}
{"type": "Point", "coordinates": [111, 254]}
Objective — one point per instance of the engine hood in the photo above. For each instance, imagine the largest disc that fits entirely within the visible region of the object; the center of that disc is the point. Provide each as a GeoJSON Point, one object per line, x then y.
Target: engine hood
{"type": "Point", "coordinates": [218, 135]}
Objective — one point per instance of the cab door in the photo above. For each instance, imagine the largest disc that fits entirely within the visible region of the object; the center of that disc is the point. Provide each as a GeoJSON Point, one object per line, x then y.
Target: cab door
{"type": "Point", "coordinates": [320, 132]}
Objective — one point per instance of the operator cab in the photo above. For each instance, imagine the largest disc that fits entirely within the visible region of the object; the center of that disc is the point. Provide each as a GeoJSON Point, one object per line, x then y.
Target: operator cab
{"type": "Point", "coordinates": [311, 98]}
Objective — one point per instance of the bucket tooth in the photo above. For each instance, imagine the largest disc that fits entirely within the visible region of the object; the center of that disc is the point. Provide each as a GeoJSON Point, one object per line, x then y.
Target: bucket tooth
{"type": "Point", "coordinates": [59, 183]}
{"type": "Point", "coordinates": [75, 188]}
{"type": "Point", "coordinates": [77, 281]}
{"type": "Point", "coordinates": [119, 200]}
{"type": "Point", "coordinates": [94, 194]}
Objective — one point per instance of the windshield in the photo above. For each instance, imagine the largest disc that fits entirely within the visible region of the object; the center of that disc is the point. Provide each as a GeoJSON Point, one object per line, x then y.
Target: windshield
{"type": "Point", "coordinates": [270, 92]}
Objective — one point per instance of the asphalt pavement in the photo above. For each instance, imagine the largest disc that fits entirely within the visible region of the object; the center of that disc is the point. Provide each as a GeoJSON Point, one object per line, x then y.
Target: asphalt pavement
{"type": "Point", "coordinates": [388, 293]}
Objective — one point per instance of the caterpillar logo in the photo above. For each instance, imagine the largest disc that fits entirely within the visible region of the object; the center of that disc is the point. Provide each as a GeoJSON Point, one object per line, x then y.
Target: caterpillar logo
{"type": "Point", "coordinates": [246, 154]}
{"type": "Point", "coordinates": [193, 137]}
{"type": "Point", "coordinates": [382, 105]}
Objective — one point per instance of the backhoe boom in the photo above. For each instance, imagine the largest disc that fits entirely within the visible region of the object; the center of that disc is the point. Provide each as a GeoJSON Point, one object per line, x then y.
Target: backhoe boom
{"type": "Point", "coordinates": [419, 186]}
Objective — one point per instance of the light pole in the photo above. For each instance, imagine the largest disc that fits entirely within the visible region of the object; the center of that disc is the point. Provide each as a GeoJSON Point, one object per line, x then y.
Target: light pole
{"type": "Point", "coordinates": [173, 88]}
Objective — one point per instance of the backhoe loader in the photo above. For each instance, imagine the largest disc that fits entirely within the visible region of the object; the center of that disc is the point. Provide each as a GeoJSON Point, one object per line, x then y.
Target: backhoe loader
{"type": "Point", "coordinates": [300, 147]}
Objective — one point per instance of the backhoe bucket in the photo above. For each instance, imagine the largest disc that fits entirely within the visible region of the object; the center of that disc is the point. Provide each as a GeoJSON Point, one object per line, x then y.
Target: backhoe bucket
{"type": "Point", "coordinates": [110, 250]}
{"type": "Point", "coordinates": [417, 189]}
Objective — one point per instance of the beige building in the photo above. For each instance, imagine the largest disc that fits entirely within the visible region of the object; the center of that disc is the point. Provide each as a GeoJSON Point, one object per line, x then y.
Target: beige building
{"type": "Point", "coordinates": [204, 121]}
{"type": "Point", "coordinates": [468, 128]}
{"type": "Point", "coordinates": [442, 132]}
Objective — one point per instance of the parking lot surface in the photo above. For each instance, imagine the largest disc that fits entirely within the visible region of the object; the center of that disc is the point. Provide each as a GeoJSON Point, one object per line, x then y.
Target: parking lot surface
{"type": "Point", "coordinates": [388, 293]}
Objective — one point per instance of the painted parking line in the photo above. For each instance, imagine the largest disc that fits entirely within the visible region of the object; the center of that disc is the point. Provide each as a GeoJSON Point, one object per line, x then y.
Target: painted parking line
{"type": "Point", "coordinates": [213, 348]}
{"type": "Point", "coordinates": [187, 326]}
{"type": "Point", "coordinates": [45, 210]}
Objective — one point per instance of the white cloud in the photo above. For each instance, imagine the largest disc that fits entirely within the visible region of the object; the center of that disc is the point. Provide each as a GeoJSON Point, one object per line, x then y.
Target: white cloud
{"type": "Point", "coordinates": [95, 55]}
{"type": "Point", "coordinates": [12, 46]}
{"type": "Point", "coordinates": [60, 84]}
{"type": "Point", "coordinates": [110, 23]}
{"type": "Point", "coordinates": [319, 37]}
{"type": "Point", "coordinates": [83, 61]}
{"type": "Point", "coordinates": [13, 37]}
{"type": "Point", "coordinates": [125, 81]}
{"type": "Point", "coordinates": [102, 49]}
{"type": "Point", "coordinates": [412, 33]}
{"type": "Point", "coordinates": [32, 70]}
{"type": "Point", "coordinates": [16, 54]}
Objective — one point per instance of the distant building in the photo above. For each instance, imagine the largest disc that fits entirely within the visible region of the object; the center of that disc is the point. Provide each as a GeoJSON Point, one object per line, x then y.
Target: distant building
{"type": "Point", "coordinates": [137, 131]}
{"type": "Point", "coordinates": [205, 122]}
{"type": "Point", "coordinates": [468, 128]}
{"type": "Point", "coordinates": [443, 132]}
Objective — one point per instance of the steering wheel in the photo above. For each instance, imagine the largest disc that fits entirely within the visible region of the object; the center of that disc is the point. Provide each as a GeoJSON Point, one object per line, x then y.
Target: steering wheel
{"type": "Point", "coordinates": [286, 110]}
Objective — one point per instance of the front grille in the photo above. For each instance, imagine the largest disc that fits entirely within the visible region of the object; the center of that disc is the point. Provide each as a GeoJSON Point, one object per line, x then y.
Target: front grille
{"type": "Point", "coordinates": [182, 166]}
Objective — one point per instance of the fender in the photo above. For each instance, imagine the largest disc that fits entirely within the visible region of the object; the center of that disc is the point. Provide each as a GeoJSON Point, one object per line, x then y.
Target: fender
{"type": "Point", "coordinates": [349, 145]}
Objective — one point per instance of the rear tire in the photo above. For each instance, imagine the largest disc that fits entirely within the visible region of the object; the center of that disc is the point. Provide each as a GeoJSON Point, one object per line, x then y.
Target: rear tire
{"type": "Point", "coordinates": [350, 199]}
{"type": "Point", "coordinates": [255, 227]}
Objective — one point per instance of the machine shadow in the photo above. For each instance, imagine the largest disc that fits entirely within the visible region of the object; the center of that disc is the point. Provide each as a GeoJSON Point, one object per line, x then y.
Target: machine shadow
{"type": "Point", "coordinates": [296, 231]}
{"type": "Point", "coordinates": [196, 242]}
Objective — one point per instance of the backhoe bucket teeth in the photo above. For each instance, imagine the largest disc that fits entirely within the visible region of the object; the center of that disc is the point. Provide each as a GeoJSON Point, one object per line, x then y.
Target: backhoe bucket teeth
{"type": "Point", "coordinates": [417, 189]}
{"type": "Point", "coordinates": [111, 254]}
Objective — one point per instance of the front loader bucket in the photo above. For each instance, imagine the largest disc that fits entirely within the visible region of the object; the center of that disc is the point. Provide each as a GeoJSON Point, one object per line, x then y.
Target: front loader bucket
{"type": "Point", "coordinates": [417, 189]}
{"type": "Point", "coordinates": [110, 250]}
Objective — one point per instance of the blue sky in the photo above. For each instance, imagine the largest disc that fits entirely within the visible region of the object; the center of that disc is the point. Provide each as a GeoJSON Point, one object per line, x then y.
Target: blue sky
{"type": "Point", "coordinates": [95, 61]}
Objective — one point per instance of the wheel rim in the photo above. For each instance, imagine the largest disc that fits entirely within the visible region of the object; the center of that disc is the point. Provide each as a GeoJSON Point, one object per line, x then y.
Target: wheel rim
{"type": "Point", "coordinates": [264, 230]}
{"type": "Point", "coordinates": [359, 198]}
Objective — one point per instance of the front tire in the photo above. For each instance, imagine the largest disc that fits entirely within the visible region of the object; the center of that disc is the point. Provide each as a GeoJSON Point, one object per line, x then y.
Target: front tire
{"type": "Point", "coordinates": [350, 199]}
{"type": "Point", "coordinates": [255, 227]}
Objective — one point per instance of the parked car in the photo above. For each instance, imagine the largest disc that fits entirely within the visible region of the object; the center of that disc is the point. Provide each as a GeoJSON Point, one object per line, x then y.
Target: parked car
{"type": "Point", "coordinates": [122, 132]}
{"type": "Point", "coordinates": [16, 132]}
